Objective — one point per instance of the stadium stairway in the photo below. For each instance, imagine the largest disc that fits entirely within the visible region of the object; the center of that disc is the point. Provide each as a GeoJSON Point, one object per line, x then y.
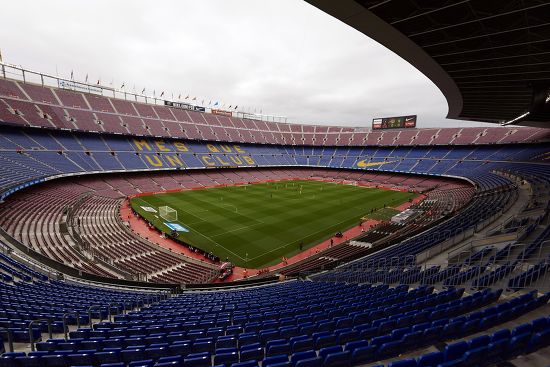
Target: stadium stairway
{"type": "Point", "coordinates": [538, 358]}
{"type": "Point", "coordinates": [484, 234]}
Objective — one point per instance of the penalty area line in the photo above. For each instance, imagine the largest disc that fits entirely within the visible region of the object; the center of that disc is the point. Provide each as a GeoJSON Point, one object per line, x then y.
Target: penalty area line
{"type": "Point", "coordinates": [205, 236]}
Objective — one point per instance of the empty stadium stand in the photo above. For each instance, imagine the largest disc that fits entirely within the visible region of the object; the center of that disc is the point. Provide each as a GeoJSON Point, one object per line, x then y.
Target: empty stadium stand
{"type": "Point", "coordinates": [301, 323]}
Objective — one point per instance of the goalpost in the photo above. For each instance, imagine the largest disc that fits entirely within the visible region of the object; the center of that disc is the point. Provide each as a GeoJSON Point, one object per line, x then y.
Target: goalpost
{"type": "Point", "coordinates": [349, 182]}
{"type": "Point", "coordinates": [168, 214]}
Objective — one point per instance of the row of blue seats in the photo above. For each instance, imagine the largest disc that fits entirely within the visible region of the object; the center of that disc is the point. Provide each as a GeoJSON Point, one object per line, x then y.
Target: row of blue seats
{"type": "Point", "coordinates": [22, 303]}
{"type": "Point", "coordinates": [22, 268]}
{"type": "Point", "coordinates": [495, 275]}
{"type": "Point", "coordinates": [346, 307]}
{"type": "Point", "coordinates": [327, 357]}
{"type": "Point", "coordinates": [527, 336]}
{"type": "Point", "coordinates": [407, 274]}
{"type": "Point", "coordinates": [420, 333]}
{"type": "Point", "coordinates": [529, 276]}
{"type": "Point", "coordinates": [9, 274]}
{"type": "Point", "coordinates": [284, 328]}
{"type": "Point", "coordinates": [487, 349]}
{"type": "Point", "coordinates": [356, 313]}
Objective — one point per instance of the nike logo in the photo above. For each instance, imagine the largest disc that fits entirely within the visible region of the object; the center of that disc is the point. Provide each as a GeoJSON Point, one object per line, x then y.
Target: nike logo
{"type": "Point", "coordinates": [364, 163]}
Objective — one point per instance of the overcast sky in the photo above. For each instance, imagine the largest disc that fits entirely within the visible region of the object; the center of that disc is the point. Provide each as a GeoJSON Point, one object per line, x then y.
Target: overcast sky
{"type": "Point", "coordinates": [284, 57]}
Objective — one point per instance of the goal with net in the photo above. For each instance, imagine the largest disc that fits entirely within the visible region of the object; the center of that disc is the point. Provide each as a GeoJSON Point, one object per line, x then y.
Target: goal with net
{"type": "Point", "coordinates": [168, 214]}
{"type": "Point", "coordinates": [349, 182]}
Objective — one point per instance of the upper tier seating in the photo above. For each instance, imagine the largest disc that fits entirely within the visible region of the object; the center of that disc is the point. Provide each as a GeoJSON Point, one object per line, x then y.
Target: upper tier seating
{"type": "Point", "coordinates": [33, 105]}
{"type": "Point", "coordinates": [30, 155]}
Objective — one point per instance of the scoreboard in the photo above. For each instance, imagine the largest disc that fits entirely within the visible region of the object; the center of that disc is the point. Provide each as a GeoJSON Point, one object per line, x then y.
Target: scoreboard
{"type": "Point", "coordinates": [398, 122]}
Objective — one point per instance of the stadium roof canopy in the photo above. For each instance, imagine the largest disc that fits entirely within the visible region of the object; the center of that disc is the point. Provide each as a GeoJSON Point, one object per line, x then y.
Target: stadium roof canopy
{"type": "Point", "coordinates": [490, 58]}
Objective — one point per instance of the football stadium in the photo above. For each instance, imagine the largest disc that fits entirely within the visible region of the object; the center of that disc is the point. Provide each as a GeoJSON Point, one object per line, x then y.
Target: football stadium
{"type": "Point", "coordinates": [147, 229]}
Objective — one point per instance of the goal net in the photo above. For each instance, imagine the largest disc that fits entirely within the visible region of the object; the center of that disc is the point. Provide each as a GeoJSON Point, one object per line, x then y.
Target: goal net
{"type": "Point", "coordinates": [168, 214]}
{"type": "Point", "coordinates": [349, 182]}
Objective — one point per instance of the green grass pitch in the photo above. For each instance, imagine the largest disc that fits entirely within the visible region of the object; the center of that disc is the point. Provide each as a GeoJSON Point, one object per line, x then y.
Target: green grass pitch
{"type": "Point", "coordinates": [255, 225]}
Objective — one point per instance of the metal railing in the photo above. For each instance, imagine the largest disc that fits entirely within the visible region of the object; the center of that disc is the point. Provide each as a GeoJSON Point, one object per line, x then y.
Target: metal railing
{"type": "Point", "coordinates": [481, 276]}
{"type": "Point", "coordinates": [30, 76]}
{"type": "Point", "coordinates": [66, 326]}
{"type": "Point", "coordinates": [90, 318]}
{"type": "Point", "coordinates": [31, 335]}
{"type": "Point", "coordinates": [10, 337]}
{"type": "Point", "coordinates": [110, 309]}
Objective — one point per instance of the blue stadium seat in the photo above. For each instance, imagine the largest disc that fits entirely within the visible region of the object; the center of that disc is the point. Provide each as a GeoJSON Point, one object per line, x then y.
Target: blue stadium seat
{"type": "Point", "coordinates": [480, 341]}
{"type": "Point", "coordinates": [363, 354]}
{"type": "Point", "coordinates": [301, 345]}
{"type": "Point", "coordinates": [431, 359]}
{"type": "Point", "coordinates": [411, 362]}
{"type": "Point", "coordinates": [170, 359]}
{"type": "Point", "coordinates": [275, 349]}
{"type": "Point", "coordinates": [248, 338]}
{"type": "Point", "coordinates": [227, 341]}
{"type": "Point", "coordinates": [310, 362]}
{"type": "Point", "coordinates": [54, 360]}
{"type": "Point", "coordinates": [167, 364]}
{"type": "Point", "coordinates": [252, 354]}
{"type": "Point", "coordinates": [379, 340]}
{"type": "Point", "coordinates": [475, 356]}
{"type": "Point", "coordinates": [454, 363]}
{"type": "Point", "coordinates": [298, 356]}
{"type": "Point", "coordinates": [281, 358]}
{"type": "Point", "coordinates": [132, 354]}
{"type": "Point", "coordinates": [81, 359]}
{"type": "Point", "coordinates": [455, 350]}
{"type": "Point", "coordinates": [432, 334]}
{"type": "Point", "coordinates": [412, 340]}
{"type": "Point", "coordinates": [203, 361]}
{"type": "Point", "coordinates": [339, 359]}
{"type": "Point", "coordinates": [155, 353]}
{"type": "Point", "coordinates": [107, 357]}
{"type": "Point", "coordinates": [325, 341]}
{"type": "Point", "coordinates": [522, 329]}
{"type": "Point", "coordinates": [329, 350]}
{"type": "Point", "coordinates": [497, 350]}
{"type": "Point", "coordinates": [518, 344]}
{"type": "Point", "coordinates": [539, 340]}
{"type": "Point", "coordinates": [226, 358]}
{"type": "Point", "coordinates": [540, 324]}
{"type": "Point", "coordinates": [351, 346]}
{"type": "Point", "coordinates": [500, 335]}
